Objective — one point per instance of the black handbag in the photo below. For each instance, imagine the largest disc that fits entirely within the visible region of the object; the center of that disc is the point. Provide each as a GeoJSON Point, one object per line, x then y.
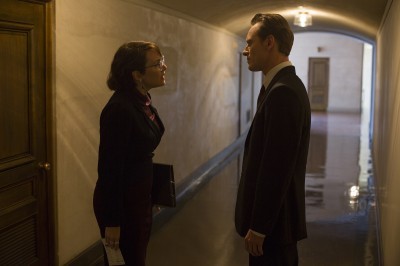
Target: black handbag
{"type": "Point", "coordinates": [163, 191]}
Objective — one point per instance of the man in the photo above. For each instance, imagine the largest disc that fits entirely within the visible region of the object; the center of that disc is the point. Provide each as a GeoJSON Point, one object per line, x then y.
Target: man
{"type": "Point", "coordinates": [270, 207]}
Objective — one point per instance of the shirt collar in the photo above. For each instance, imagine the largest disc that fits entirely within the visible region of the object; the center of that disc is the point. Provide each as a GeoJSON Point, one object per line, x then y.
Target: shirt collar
{"type": "Point", "coordinates": [144, 100]}
{"type": "Point", "coordinates": [271, 74]}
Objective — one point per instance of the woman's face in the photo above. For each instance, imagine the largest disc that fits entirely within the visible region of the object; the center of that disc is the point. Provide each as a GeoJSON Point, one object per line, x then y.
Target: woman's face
{"type": "Point", "coordinates": [154, 75]}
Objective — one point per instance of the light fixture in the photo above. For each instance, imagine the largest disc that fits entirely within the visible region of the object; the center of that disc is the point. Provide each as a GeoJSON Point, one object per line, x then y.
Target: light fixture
{"type": "Point", "coordinates": [302, 18]}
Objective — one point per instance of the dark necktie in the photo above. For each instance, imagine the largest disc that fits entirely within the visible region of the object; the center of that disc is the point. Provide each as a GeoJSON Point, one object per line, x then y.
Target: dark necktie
{"type": "Point", "coordinates": [261, 95]}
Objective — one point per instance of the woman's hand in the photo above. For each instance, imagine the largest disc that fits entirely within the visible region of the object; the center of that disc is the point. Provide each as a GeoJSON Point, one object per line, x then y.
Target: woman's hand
{"type": "Point", "coordinates": [254, 243]}
{"type": "Point", "coordinates": [112, 235]}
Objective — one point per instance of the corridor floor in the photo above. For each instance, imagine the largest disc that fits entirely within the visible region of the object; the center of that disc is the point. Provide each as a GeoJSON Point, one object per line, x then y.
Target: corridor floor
{"type": "Point", "coordinates": [340, 207]}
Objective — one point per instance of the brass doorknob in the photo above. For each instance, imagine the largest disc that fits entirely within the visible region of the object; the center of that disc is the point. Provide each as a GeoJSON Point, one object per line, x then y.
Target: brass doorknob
{"type": "Point", "coordinates": [45, 166]}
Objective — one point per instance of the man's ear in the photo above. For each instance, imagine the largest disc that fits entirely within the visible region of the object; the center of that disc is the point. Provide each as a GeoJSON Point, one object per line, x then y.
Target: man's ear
{"type": "Point", "coordinates": [137, 76]}
{"type": "Point", "coordinates": [269, 41]}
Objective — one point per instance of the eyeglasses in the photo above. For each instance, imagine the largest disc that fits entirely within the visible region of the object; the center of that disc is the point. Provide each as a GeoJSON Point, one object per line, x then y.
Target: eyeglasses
{"type": "Point", "coordinates": [160, 64]}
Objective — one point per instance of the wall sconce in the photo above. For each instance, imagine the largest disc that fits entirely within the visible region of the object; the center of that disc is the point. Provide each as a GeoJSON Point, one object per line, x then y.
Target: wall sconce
{"type": "Point", "coordinates": [302, 19]}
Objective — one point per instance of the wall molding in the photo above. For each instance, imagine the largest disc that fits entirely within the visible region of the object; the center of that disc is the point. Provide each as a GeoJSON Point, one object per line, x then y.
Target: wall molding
{"type": "Point", "coordinates": [385, 15]}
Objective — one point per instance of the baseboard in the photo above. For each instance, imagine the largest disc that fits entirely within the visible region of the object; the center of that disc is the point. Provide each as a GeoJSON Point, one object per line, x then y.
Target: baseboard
{"type": "Point", "coordinates": [197, 180]}
{"type": "Point", "coordinates": [377, 210]}
{"type": "Point", "coordinates": [92, 256]}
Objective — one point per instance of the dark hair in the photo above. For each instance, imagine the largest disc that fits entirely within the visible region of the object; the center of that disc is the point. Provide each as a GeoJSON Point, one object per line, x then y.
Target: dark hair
{"type": "Point", "coordinates": [277, 26]}
{"type": "Point", "coordinates": [131, 56]}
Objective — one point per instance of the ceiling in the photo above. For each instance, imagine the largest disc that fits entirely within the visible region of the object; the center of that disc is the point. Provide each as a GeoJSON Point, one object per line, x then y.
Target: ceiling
{"type": "Point", "coordinates": [358, 18]}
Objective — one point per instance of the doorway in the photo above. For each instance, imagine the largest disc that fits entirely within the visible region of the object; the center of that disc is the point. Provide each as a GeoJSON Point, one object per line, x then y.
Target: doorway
{"type": "Point", "coordinates": [318, 83]}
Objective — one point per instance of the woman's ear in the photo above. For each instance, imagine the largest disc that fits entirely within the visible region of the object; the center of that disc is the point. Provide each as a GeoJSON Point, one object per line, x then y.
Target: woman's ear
{"type": "Point", "coordinates": [137, 76]}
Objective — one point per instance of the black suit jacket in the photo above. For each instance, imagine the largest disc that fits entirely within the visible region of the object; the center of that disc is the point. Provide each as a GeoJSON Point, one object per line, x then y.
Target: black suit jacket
{"type": "Point", "coordinates": [128, 138]}
{"type": "Point", "coordinates": [271, 197]}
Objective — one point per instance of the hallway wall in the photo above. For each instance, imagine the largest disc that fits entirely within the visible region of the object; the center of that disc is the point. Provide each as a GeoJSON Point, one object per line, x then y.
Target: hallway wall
{"type": "Point", "coordinates": [386, 140]}
{"type": "Point", "coordinates": [202, 91]}
{"type": "Point", "coordinates": [345, 66]}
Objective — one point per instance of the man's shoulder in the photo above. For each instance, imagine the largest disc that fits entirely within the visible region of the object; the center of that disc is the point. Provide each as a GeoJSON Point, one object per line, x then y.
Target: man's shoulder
{"type": "Point", "coordinates": [288, 77]}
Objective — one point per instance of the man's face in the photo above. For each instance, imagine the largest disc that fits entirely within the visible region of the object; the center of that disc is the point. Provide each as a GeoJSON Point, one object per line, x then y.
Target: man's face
{"type": "Point", "coordinates": [255, 50]}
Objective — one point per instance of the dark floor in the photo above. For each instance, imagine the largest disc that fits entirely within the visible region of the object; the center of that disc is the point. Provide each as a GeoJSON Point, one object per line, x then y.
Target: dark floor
{"type": "Point", "coordinates": [340, 207]}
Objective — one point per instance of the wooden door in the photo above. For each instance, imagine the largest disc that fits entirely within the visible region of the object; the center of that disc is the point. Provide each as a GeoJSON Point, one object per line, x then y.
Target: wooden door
{"type": "Point", "coordinates": [318, 83]}
{"type": "Point", "coordinates": [24, 177]}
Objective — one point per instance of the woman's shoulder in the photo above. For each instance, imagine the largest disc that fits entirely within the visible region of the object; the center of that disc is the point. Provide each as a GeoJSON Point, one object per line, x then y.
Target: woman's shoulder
{"type": "Point", "coordinates": [119, 106]}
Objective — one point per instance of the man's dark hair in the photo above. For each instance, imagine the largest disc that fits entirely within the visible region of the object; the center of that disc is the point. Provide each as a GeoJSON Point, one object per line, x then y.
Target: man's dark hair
{"type": "Point", "coordinates": [277, 26]}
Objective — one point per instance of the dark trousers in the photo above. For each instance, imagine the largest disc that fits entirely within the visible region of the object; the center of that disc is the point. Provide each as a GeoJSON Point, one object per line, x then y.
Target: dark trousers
{"type": "Point", "coordinates": [276, 255]}
{"type": "Point", "coordinates": [135, 223]}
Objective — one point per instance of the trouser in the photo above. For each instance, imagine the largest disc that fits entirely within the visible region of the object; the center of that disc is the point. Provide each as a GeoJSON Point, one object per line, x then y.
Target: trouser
{"type": "Point", "coordinates": [136, 221]}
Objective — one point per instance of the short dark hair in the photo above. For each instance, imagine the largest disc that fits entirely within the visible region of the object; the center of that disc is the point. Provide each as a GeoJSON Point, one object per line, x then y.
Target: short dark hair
{"type": "Point", "coordinates": [131, 56]}
{"type": "Point", "coordinates": [277, 26]}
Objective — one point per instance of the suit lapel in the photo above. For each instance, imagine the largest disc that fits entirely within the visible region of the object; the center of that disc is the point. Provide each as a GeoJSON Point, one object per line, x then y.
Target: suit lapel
{"type": "Point", "coordinates": [158, 131]}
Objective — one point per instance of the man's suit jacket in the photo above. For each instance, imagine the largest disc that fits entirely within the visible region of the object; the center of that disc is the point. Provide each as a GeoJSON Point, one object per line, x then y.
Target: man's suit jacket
{"type": "Point", "coordinates": [271, 197]}
{"type": "Point", "coordinates": [128, 138]}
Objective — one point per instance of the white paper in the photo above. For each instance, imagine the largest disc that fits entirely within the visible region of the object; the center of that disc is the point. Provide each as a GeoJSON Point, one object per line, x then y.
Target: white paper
{"type": "Point", "coordinates": [114, 255]}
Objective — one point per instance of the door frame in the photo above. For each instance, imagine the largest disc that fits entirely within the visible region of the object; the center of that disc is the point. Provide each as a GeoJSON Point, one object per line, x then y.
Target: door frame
{"type": "Point", "coordinates": [51, 129]}
{"type": "Point", "coordinates": [49, 6]}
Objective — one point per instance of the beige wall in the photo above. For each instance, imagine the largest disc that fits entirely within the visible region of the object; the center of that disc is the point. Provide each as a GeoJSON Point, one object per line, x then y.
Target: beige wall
{"type": "Point", "coordinates": [198, 107]}
{"type": "Point", "coordinates": [386, 146]}
{"type": "Point", "coordinates": [345, 66]}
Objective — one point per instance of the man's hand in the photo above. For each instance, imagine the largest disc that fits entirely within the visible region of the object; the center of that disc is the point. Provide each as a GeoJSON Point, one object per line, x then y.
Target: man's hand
{"type": "Point", "coordinates": [254, 243]}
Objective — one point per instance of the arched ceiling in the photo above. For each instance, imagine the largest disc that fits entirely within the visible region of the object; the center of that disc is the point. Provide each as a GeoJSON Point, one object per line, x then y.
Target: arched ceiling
{"type": "Point", "coordinates": [358, 18]}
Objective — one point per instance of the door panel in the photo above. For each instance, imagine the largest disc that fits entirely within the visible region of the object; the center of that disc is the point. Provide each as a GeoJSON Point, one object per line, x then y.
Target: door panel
{"type": "Point", "coordinates": [318, 83]}
{"type": "Point", "coordinates": [14, 94]}
{"type": "Point", "coordinates": [24, 186]}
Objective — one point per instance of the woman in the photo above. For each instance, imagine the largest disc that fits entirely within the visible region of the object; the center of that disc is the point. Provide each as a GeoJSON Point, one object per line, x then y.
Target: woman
{"type": "Point", "coordinates": [130, 130]}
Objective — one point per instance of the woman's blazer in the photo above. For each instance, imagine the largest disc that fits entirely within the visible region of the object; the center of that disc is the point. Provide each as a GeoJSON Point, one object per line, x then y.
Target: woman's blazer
{"type": "Point", "coordinates": [128, 138]}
